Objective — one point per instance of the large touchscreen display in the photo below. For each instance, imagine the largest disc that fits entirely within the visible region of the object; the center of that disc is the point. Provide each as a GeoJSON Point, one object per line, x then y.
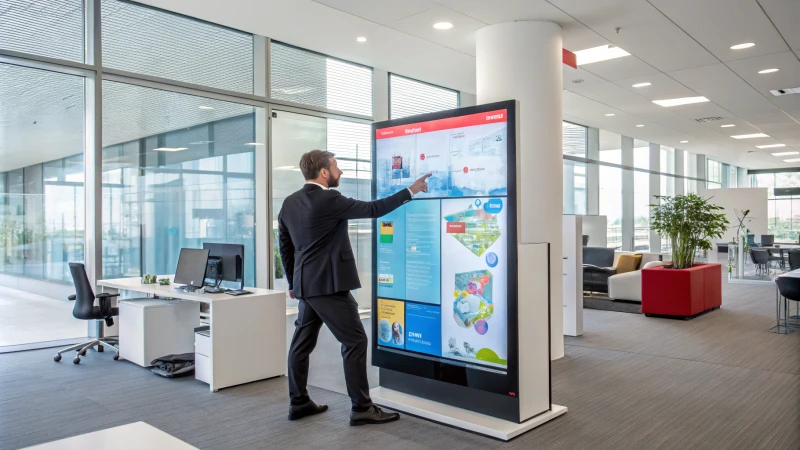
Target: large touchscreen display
{"type": "Point", "coordinates": [442, 275]}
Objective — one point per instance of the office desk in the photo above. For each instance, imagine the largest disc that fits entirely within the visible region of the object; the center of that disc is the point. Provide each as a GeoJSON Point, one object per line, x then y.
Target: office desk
{"type": "Point", "coordinates": [248, 332]}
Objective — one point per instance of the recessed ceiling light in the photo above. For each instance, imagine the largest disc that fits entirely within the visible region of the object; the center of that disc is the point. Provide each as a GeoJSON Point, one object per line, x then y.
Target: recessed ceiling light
{"type": "Point", "coordinates": [200, 142]}
{"type": "Point", "coordinates": [728, 125]}
{"type": "Point", "coordinates": [361, 39]}
{"type": "Point", "coordinates": [741, 46]}
{"type": "Point", "coordinates": [792, 160]}
{"type": "Point", "coordinates": [639, 126]}
{"type": "Point", "coordinates": [771, 146]}
{"type": "Point", "coordinates": [443, 25]}
{"type": "Point", "coordinates": [684, 142]}
{"type": "Point", "coordinates": [596, 54]}
{"type": "Point", "coordinates": [768, 70]}
{"type": "Point", "coordinates": [610, 115]}
{"type": "Point", "coordinates": [253, 143]}
{"type": "Point", "coordinates": [785, 153]}
{"type": "Point", "coordinates": [750, 136]}
{"type": "Point", "coordinates": [641, 84]}
{"type": "Point", "coordinates": [680, 101]}
{"type": "Point", "coordinates": [168, 149]}
{"type": "Point", "coordinates": [206, 107]}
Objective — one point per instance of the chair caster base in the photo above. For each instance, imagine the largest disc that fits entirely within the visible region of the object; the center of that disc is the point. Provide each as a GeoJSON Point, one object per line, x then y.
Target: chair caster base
{"type": "Point", "coordinates": [77, 360]}
{"type": "Point", "coordinates": [116, 357]}
{"type": "Point", "coordinates": [57, 358]}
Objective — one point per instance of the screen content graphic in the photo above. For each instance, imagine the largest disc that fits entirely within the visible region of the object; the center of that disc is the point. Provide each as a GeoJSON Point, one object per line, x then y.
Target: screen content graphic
{"type": "Point", "coordinates": [466, 156]}
{"type": "Point", "coordinates": [408, 252]}
{"type": "Point", "coordinates": [474, 280]}
{"type": "Point", "coordinates": [391, 321]}
{"type": "Point", "coordinates": [441, 259]}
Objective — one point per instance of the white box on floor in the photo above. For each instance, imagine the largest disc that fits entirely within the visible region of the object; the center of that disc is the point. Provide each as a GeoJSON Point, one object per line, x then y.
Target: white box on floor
{"type": "Point", "coordinates": [152, 328]}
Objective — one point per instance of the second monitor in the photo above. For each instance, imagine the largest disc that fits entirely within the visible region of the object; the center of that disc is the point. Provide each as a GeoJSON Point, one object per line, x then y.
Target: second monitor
{"type": "Point", "coordinates": [231, 257]}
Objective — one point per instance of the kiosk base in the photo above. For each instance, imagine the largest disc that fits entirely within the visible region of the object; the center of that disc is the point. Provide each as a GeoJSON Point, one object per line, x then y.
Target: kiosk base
{"type": "Point", "coordinates": [460, 418]}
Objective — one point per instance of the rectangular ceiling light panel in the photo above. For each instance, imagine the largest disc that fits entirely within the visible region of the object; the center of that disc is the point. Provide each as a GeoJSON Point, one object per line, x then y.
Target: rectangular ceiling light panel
{"type": "Point", "coordinates": [679, 101]}
{"type": "Point", "coordinates": [597, 54]}
{"type": "Point", "coordinates": [750, 136]}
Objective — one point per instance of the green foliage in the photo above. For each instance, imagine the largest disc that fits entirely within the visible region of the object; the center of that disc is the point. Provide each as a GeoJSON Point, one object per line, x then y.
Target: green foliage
{"type": "Point", "coordinates": [688, 222]}
{"type": "Point", "coordinates": [276, 255]}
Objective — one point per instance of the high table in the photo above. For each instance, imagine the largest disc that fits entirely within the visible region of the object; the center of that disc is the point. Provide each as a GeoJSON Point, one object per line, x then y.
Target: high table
{"type": "Point", "coordinates": [247, 340]}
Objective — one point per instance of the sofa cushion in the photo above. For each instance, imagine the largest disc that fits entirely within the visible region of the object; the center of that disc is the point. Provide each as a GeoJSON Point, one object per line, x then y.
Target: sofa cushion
{"type": "Point", "coordinates": [628, 263]}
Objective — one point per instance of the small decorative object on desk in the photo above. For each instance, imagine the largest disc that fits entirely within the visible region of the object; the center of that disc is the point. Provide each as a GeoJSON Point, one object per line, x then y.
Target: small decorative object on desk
{"type": "Point", "coordinates": [163, 281]}
{"type": "Point", "coordinates": [149, 279]}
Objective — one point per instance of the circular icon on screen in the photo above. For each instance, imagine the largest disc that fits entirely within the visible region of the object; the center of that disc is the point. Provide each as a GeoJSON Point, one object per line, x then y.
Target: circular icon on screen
{"type": "Point", "coordinates": [481, 327]}
{"type": "Point", "coordinates": [466, 169]}
{"type": "Point", "coordinates": [422, 156]}
{"type": "Point", "coordinates": [491, 259]}
{"type": "Point", "coordinates": [477, 202]}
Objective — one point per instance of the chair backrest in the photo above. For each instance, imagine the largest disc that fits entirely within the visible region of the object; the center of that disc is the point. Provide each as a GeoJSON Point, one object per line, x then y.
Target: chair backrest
{"type": "Point", "coordinates": [751, 240]}
{"type": "Point", "coordinates": [598, 256]}
{"type": "Point", "coordinates": [789, 287]}
{"type": "Point", "coordinates": [794, 259]}
{"type": "Point", "coordinates": [767, 240]}
{"type": "Point", "coordinates": [759, 256]}
{"type": "Point", "coordinates": [84, 295]}
{"type": "Point", "coordinates": [585, 239]}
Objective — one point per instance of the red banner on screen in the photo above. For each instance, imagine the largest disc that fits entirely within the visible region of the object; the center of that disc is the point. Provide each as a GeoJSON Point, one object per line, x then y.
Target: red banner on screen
{"type": "Point", "coordinates": [456, 227]}
{"type": "Point", "coordinates": [498, 116]}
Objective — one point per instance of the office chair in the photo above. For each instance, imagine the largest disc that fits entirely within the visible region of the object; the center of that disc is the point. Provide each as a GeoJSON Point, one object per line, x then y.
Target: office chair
{"type": "Point", "coordinates": [86, 310]}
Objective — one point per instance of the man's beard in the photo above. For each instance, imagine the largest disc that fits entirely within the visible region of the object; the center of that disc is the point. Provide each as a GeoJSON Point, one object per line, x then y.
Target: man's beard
{"type": "Point", "coordinates": [332, 182]}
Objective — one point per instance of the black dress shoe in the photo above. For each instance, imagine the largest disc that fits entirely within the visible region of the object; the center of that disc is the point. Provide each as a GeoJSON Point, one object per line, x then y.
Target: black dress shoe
{"type": "Point", "coordinates": [373, 415]}
{"type": "Point", "coordinates": [305, 410]}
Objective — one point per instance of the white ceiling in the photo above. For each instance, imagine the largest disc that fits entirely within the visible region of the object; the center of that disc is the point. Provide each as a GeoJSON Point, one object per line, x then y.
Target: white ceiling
{"type": "Point", "coordinates": [682, 47]}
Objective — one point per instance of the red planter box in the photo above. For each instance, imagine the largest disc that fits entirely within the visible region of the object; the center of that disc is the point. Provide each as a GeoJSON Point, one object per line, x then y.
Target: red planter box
{"type": "Point", "coordinates": [681, 292]}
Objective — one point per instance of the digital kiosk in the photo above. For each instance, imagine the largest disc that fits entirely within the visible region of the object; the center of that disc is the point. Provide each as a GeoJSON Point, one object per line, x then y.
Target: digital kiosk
{"type": "Point", "coordinates": [461, 319]}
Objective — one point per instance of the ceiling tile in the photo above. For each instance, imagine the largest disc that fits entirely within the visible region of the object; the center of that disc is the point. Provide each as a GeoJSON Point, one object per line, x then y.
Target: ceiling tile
{"type": "Point", "coordinates": [785, 14]}
{"type": "Point", "coordinates": [661, 87]}
{"type": "Point", "coordinates": [380, 11]}
{"type": "Point", "coordinates": [788, 75]}
{"type": "Point", "coordinates": [718, 24]}
{"type": "Point", "coordinates": [461, 37]}
{"type": "Point", "coordinates": [578, 77]}
{"type": "Point", "coordinates": [643, 31]}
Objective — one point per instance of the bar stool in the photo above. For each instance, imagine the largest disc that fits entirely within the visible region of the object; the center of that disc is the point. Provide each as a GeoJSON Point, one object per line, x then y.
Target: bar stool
{"type": "Point", "coordinates": [788, 289]}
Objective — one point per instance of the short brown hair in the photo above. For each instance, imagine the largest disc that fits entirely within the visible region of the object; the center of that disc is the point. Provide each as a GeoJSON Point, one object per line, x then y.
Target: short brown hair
{"type": "Point", "coordinates": [312, 162]}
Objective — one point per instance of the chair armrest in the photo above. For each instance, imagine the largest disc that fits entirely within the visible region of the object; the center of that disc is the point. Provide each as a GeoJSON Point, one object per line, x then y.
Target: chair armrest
{"type": "Point", "coordinates": [105, 303]}
{"type": "Point", "coordinates": [72, 297]}
{"type": "Point", "coordinates": [597, 269]}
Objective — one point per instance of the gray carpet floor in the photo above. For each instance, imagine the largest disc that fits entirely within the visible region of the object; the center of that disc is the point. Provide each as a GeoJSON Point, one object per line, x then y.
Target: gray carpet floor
{"type": "Point", "coordinates": [607, 304]}
{"type": "Point", "coordinates": [720, 381]}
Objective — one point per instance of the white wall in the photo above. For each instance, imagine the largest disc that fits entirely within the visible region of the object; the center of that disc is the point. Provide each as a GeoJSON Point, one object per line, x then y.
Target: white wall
{"type": "Point", "coordinates": [754, 199]}
{"type": "Point", "coordinates": [597, 230]}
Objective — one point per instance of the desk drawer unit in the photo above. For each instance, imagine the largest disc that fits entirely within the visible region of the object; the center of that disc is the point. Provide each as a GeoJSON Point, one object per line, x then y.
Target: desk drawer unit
{"type": "Point", "coordinates": [202, 368]}
{"type": "Point", "coordinates": [152, 328]}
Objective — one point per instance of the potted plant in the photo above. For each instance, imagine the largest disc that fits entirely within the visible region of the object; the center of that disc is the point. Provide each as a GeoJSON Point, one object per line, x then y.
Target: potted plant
{"type": "Point", "coordinates": [689, 222]}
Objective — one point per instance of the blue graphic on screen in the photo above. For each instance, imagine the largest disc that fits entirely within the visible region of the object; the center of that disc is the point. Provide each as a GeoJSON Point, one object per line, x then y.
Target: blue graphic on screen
{"type": "Point", "coordinates": [391, 244]}
{"type": "Point", "coordinates": [423, 329]}
{"type": "Point", "coordinates": [468, 161]}
{"type": "Point", "coordinates": [423, 258]}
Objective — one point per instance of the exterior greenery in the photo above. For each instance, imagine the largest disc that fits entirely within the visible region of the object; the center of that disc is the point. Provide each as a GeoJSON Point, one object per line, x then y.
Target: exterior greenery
{"type": "Point", "coordinates": [688, 222]}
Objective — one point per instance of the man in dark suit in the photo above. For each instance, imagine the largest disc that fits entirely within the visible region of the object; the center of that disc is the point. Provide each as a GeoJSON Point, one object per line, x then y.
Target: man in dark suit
{"type": "Point", "coordinates": [321, 270]}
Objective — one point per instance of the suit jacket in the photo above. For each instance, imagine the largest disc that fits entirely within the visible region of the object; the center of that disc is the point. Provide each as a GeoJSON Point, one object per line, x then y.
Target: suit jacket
{"type": "Point", "coordinates": [314, 244]}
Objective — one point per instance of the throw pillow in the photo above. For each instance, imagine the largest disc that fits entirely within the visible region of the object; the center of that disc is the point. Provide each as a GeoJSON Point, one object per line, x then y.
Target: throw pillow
{"type": "Point", "coordinates": [628, 263]}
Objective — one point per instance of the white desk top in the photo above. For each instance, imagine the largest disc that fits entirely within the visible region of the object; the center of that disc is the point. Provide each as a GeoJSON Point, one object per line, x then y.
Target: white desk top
{"type": "Point", "coordinates": [135, 284]}
{"type": "Point", "coordinates": [133, 436]}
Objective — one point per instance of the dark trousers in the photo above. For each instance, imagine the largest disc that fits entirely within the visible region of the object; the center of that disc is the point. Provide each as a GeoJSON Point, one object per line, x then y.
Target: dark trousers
{"type": "Point", "coordinates": [340, 313]}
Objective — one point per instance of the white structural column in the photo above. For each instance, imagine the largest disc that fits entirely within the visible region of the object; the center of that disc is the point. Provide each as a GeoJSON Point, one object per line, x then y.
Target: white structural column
{"type": "Point", "coordinates": [628, 231]}
{"type": "Point", "coordinates": [655, 189]}
{"type": "Point", "coordinates": [522, 61]}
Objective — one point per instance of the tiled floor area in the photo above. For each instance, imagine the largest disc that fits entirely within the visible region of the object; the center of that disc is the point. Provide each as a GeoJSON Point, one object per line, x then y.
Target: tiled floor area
{"type": "Point", "coordinates": [28, 318]}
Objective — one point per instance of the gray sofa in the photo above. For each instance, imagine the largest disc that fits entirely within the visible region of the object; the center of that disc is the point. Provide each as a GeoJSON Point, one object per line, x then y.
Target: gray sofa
{"type": "Point", "coordinates": [598, 265]}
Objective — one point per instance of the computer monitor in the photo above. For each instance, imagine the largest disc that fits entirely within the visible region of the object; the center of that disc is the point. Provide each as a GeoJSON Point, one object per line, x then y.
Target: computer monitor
{"type": "Point", "coordinates": [191, 269]}
{"type": "Point", "coordinates": [232, 257]}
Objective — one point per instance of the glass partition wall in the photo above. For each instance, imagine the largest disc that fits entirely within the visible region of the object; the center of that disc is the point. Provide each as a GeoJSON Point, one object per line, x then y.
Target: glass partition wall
{"type": "Point", "coordinates": [161, 144]}
{"type": "Point", "coordinates": [619, 177]}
